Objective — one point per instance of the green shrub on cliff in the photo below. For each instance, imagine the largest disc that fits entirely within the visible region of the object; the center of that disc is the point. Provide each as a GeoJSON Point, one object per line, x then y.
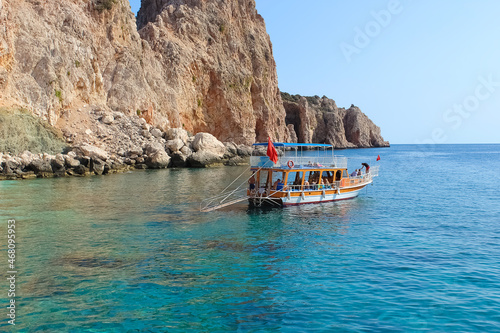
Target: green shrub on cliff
{"type": "Point", "coordinates": [20, 131]}
{"type": "Point", "coordinates": [102, 5]}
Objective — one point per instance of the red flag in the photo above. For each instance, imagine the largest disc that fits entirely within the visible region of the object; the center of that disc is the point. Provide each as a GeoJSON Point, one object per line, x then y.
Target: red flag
{"type": "Point", "coordinates": [271, 151]}
{"type": "Point", "coordinates": [378, 158]}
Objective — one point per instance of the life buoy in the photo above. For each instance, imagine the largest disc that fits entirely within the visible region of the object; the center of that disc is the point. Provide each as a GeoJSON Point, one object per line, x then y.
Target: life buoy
{"type": "Point", "coordinates": [290, 164]}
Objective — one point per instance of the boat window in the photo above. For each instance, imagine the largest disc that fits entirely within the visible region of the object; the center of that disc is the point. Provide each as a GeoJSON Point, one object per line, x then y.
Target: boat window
{"type": "Point", "coordinates": [338, 176]}
{"type": "Point", "coordinates": [263, 179]}
{"type": "Point", "coordinates": [294, 178]}
{"type": "Point", "coordinates": [278, 175]}
{"type": "Point", "coordinates": [312, 177]}
{"type": "Point", "coordinates": [327, 175]}
{"type": "Point", "coordinates": [344, 174]}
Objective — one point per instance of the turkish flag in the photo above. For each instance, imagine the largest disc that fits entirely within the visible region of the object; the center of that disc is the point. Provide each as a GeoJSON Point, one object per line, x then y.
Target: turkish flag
{"type": "Point", "coordinates": [378, 158]}
{"type": "Point", "coordinates": [271, 151]}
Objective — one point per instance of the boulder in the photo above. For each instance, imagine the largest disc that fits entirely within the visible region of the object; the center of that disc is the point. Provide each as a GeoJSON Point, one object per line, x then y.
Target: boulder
{"type": "Point", "coordinates": [179, 160]}
{"type": "Point", "coordinates": [97, 166]}
{"type": "Point", "coordinates": [236, 160]}
{"type": "Point", "coordinates": [145, 133]}
{"type": "Point", "coordinates": [80, 170]}
{"type": "Point", "coordinates": [156, 133]}
{"type": "Point", "coordinates": [11, 167]}
{"type": "Point", "coordinates": [40, 166]}
{"type": "Point", "coordinates": [57, 165]}
{"type": "Point", "coordinates": [158, 160]}
{"type": "Point", "coordinates": [231, 149]}
{"type": "Point", "coordinates": [208, 142]}
{"type": "Point", "coordinates": [186, 151]}
{"type": "Point", "coordinates": [94, 152]}
{"type": "Point", "coordinates": [203, 159]}
{"type": "Point", "coordinates": [136, 150]}
{"type": "Point", "coordinates": [108, 120]}
{"type": "Point", "coordinates": [174, 145]}
{"type": "Point", "coordinates": [71, 162]}
{"type": "Point", "coordinates": [152, 148]}
{"type": "Point", "coordinates": [26, 157]}
{"type": "Point", "coordinates": [177, 133]}
{"type": "Point", "coordinates": [244, 150]}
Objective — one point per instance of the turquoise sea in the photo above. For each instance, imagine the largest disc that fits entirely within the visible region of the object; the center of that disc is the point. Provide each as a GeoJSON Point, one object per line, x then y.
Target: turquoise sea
{"type": "Point", "coordinates": [419, 251]}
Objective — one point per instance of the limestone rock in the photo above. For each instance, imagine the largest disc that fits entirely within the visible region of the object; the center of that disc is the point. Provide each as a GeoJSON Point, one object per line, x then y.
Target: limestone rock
{"type": "Point", "coordinates": [203, 159]}
{"type": "Point", "coordinates": [174, 145]}
{"type": "Point", "coordinates": [158, 160]}
{"type": "Point", "coordinates": [179, 160]}
{"type": "Point", "coordinates": [97, 166]}
{"type": "Point", "coordinates": [208, 142]}
{"type": "Point", "coordinates": [319, 120]}
{"type": "Point", "coordinates": [186, 151]}
{"type": "Point", "coordinates": [219, 61]}
{"type": "Point", "coordinates": [94, 152]}
{"type": "Point", "coordinates": [108, 120]}
{"type": "Point", "coordinates": [177, 133]}
{"type": "Point", "coordinates": [244, 150]}
{"type": "Point", "coordinates": [40, 166]}
{"type": "Point", "coordinates": [152, 148]}
{"type": "Point", "coordinates": [71, 162]}
{"type": "Point", "coordinates": [156, 133]}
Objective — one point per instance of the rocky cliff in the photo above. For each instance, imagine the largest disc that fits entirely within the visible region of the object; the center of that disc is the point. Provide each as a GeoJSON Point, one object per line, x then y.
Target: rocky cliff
{"type": "Point", "coordinates": [218, 60]}
{"type": "Point", "coordinates": [201, 65]}
{"type": "Point", "coordinates": [198, 65]}
{"type": "Point", "coordinates": [315, 119]}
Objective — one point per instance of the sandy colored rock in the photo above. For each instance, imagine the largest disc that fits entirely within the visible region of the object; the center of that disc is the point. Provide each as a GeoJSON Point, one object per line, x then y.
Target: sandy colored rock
{"type": "Point", "coordinates": [319, 120]}
{"type": "Point", "coordinates": [208, 142]}
{"type": "Point", "coordinates": [94, 152]}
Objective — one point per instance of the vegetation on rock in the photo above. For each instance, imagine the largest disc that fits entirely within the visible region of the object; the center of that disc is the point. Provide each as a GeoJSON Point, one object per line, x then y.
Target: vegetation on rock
{"type": "Point", "coordinates": [20, 131]}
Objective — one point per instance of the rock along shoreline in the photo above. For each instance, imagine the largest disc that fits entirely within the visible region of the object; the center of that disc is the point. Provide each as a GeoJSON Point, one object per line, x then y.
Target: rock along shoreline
{"type": "Point", "coordinates": [174, 148]}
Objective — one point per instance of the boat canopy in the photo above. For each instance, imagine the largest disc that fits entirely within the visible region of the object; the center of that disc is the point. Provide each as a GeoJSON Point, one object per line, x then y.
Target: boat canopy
{"type": "Point", "coordinates": [293, 145]}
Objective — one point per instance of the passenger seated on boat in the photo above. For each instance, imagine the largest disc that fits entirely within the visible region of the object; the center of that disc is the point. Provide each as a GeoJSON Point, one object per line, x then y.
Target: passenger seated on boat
{"type": "Point", "coordinates": [306, 185]}
{"type": "Point", "coordinates": [359, 172]}
{"type": "Point", "coordinates": [354, 173]}
{"type": "Point", "coordinates": [278, 185]}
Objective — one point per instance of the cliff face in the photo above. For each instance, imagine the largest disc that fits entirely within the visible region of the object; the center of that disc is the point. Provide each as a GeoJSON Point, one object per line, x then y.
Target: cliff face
{"type": "Point", "coordinates": [218, 60]}
{"type": "Point", "coordinates": [57, 56]}
{"type": "Point", "coordinates": [319, 120]}
{"type": "Point", "coordinates": [201, 65]}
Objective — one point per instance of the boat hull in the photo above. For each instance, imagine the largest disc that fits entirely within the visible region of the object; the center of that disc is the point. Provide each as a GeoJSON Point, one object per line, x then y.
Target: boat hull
{"type": "Point", "coordinates": [306, 197]}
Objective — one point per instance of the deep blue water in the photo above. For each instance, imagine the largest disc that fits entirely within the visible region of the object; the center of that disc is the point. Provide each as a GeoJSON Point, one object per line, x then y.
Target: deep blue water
{"type": "Point", "coordinates": [417, 251]}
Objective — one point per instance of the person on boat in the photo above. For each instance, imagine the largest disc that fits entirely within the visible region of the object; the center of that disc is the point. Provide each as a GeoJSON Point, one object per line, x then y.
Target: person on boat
{"type": "Point", "coordinates": [306, 185]}
{"type": "Point", "coordinates": [251, 183]}
{"type": "Point", "coordinates": [354, 173]}
{"type": "Point", "coordinates": [359, 172]}
{"type": "Point", "coordinates": [278, 185]}
{"type": "Point", "coordinates": [366, 166]}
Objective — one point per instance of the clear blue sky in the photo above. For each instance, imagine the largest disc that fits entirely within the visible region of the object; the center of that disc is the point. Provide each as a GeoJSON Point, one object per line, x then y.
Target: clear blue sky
{"type": "Point", "coordinates": [424, 71]}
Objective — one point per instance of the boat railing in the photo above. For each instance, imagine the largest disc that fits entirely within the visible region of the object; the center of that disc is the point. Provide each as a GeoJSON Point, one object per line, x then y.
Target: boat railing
{"type": "Point", "coordinates": [300, 162]}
